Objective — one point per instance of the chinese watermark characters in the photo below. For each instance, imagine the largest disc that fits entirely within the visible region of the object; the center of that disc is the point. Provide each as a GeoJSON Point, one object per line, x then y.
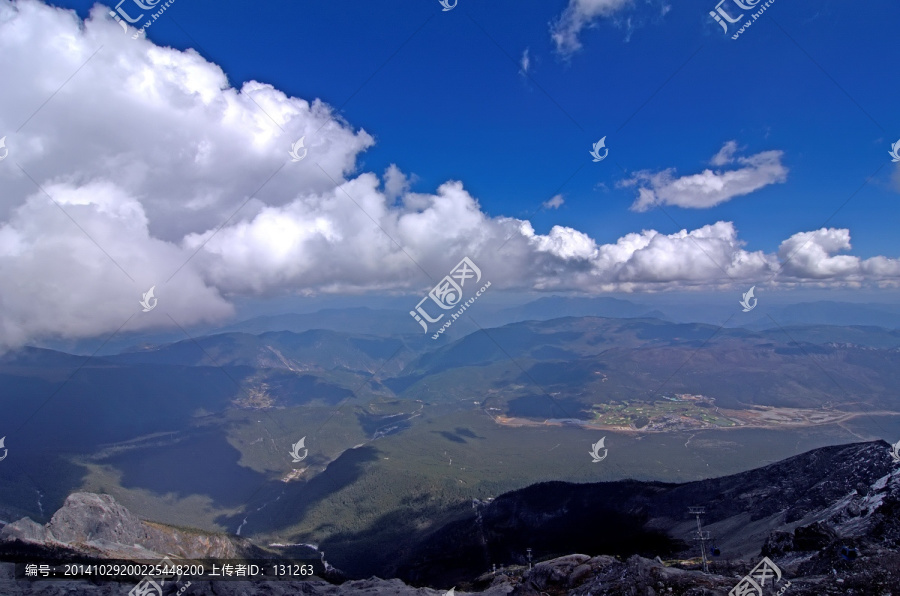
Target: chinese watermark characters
{"type": "Point", "coordinates": [448, 294]}
{"type": "Point", "coordinates": [753, 583]}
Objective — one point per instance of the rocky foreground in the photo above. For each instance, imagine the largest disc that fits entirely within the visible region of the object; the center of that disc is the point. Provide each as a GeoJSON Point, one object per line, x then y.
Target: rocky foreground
{"type": "Point", "coordinates": [829, 520]}
{"type": "Point", "coordinates": [572, 575]}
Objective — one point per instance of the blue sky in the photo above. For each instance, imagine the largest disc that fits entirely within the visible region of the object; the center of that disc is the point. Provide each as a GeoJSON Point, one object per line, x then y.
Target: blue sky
{"type": "Point", "coordinates": [803, 104]}
{"type": "Point", "coordinates": [443, 96]}
{"type": "Point", "coordinates": [451, 104]}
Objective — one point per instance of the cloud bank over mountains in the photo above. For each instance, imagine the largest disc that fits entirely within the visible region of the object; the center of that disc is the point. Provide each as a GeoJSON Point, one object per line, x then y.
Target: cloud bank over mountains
{"type": "Point", "coordinates": [147, 168]}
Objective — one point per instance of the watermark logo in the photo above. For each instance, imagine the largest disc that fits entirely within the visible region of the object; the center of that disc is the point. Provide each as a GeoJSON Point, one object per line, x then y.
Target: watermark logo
{"type": "Point", "coordinates": [123, 17]}
{"type": "Point", "coordinates": [4, 151]}
{"type": "Point", "coordinates": [120, 21]}
{"type": "Point", "coordinates": [601, 144]}
{"type": "Point", "coordinates": [747, 297]}
{"type": "Point", "coordinates": [595, 451]}
{"type": "Point", "coordinates": [149, 302]}
{"type": "Point", "coordinates": [447, 6]}
{"type": "Point", "coordinates": [295, 150]}
{"type": "Point", "coordinates": [725, 17]}
{"type": "Point", "coordinates": [894, 152]}
{"type": "Point", "coordinates": [895, 451]}
{"type": "Point", "coordinates": [720, 13]}
{"type": "Point", "coordinates": [3, 447]}
{"type": "Point", "coordinates": [448, 294]}
{"type": "Point", "coordinates": [755, 581]}
{"type": "Point", "coordinates": [153, 585]}
{"type": "Point", "coordinates": [295, 450]}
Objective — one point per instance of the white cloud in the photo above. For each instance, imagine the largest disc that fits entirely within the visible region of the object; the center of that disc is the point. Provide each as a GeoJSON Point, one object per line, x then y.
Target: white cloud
{"type": "Point", "coordinates": [811, 256]}
{"type": "Point", "coordinates": [524, 62]}
{"type": "Point", "coordinates": [725, 155]}
{"type": "Point", "coordinates": [585, 14]}
{"type": "Point", "coordinates": [554, 203]}
{"type": "Point", "coordinates": [708, 188]}
{"type": "Point", "coordinates": [396, 183]}
{"type": "Point", "coordinates": [159, 167]}
{"type": "Point", "coordinates": [580, 14]}
{"type": "Point", "coordinates": [59, 281]}
{"type": "Point", "coordinates": [162, 124]}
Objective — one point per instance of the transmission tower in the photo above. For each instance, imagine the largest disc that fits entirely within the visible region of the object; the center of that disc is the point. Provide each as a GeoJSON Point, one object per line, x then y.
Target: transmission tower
{"type": "Point", "coordinates": [702, 535]}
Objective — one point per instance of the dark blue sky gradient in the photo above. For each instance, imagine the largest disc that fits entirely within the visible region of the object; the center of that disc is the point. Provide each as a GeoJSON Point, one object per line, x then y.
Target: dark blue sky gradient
{"type": "Point", "coordinates": [443, 96]}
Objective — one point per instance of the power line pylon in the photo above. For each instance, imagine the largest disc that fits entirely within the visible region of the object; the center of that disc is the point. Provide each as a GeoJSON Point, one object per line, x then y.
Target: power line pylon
{"type": "Point", "coordinates": [702, 535]}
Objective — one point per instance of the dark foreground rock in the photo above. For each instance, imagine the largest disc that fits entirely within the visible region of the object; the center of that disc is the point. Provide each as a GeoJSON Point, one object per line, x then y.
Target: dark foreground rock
{"type": "Point", "coordinates": [572, 575]}
{"type": "Point", "coordinates": [829, 520]}
{"type": "Point", "coordinates": [368, 587]}
{"type": "Point", "coordinates": [816, 502]}
{"type": "Point", "coordinates": [580, 575]}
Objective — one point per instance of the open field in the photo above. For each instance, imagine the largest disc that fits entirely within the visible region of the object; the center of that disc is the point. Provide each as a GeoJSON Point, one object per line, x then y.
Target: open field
{"type": "Point", "coordinates": [688, 413]}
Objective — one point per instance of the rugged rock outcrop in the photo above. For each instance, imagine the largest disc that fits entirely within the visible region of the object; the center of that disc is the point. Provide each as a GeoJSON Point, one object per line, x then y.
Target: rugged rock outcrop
{"type": "Point", "coordinates": [580, 575]}
{"type": "Point", "coordinates": [97, 525]}
{"type": "Point", "coordinates": [605, 575]}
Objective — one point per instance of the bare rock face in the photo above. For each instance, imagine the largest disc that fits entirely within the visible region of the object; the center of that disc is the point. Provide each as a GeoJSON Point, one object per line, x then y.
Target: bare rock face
{"type": "Point", "coordinates": [25, 530]}
{"type": "Point", "coordinates": [86, 516]}
{"type": "Point", "coordinates": [578, 575]}
{"type": "Point", "coordinates": [558, 571]}
{"type": "Point", "coordinates": [99, 526]}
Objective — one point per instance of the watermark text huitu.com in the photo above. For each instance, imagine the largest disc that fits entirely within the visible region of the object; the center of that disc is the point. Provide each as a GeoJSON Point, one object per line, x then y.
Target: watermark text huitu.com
{"type": "Point", "coordinates": [448, 295]}
{"type": "Point", "coordinates": [457, 314]}
{"type": "Point", "coordinates": [731, 16]}
{"type": "Point", "coordinates": [132, 14]}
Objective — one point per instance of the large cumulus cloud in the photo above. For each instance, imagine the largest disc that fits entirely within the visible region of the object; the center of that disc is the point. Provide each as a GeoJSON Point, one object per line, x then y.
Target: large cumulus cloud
{"type": "Point", "coordinates": [77, 264]}
{"type": "Point", "coordinates": [147, 168]}
{"type": "Point", "coordinates": [811, 256]}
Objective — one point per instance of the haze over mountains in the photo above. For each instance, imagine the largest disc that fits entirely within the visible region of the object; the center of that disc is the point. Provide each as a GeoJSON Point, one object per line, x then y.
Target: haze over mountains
{"type": "Point", "coordinates": [390, 317]}
{"type": "Point", "coordinates": [703, 309]}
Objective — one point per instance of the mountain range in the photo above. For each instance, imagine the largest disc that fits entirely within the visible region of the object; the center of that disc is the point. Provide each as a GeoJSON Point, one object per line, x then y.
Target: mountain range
{"type": "Point", "coordinates": [421, 453]}
{"type": "Point", "coordinates": [395, 320]}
